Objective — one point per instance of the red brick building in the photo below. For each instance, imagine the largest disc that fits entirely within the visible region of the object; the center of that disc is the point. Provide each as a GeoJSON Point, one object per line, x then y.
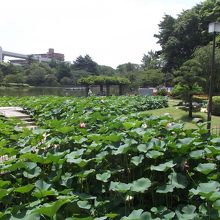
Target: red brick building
{"type": "Point", "coordinates": [52, 55]}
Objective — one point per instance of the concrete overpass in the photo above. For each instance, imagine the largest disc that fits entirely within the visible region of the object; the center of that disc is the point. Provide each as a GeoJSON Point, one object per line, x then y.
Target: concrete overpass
{"type": "Point", "coordinates": [38, 58]}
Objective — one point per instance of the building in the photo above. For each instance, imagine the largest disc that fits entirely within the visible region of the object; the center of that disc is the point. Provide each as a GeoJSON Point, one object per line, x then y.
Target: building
{"type": "Point", "coordinates": [52, 55]}
{"type": "Point", "coordinates": [45, 57]}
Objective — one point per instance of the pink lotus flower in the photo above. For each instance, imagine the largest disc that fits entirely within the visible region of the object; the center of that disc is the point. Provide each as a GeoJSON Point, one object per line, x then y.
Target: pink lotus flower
{"type": "Point", "coordinates": [82, 125]}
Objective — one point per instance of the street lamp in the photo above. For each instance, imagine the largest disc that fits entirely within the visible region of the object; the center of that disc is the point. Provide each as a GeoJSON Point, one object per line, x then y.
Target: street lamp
{"type": "Point", "coordinates": [213, 28]}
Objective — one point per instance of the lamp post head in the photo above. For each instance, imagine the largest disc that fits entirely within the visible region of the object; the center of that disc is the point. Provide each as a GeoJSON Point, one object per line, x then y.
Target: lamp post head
{"type": "Point", "coordinates": [214, 27]}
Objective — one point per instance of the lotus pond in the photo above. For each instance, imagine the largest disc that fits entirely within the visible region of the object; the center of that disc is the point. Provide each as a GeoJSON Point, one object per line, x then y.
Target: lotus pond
{"type": "Point", "coordinates": [105, 158]}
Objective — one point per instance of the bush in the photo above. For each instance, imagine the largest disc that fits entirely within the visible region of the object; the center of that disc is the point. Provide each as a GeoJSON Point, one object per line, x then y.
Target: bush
{"type": "Point", "coordinates": [216, 105]}
{"type": "Point", "coordinates": [162, 92]}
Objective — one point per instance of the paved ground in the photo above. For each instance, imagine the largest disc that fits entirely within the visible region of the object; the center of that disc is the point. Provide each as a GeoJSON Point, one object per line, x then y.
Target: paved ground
{"type": "Point", "coordinates": [18, 112]}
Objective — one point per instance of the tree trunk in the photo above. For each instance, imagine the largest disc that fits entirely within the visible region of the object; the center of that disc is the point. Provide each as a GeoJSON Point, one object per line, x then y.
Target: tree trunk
{"type": "Point", "coordinates": [190, 106]}
{"type": "Point", "coordinates": [108, 90]}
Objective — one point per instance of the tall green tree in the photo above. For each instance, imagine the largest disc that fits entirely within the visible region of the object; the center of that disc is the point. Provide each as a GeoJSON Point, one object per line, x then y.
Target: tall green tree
{"type": "Point", "coordinates": [128, 68]}
{"type": "Point", "coordinates": [151, 61]}
{"type": "Point", "coordinates": [189, 78]}
{"type": "Point", "coordinates": [181, 36]}
{"type": "Point", "coordinates": [86, 63]}
{"type": "Point", "coordinates": [203, 55]}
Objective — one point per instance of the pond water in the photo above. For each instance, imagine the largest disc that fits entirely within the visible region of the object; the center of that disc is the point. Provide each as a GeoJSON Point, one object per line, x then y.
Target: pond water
{"type": "Point", "coordinates": [56, 91]}
{"type": "Point", "coordinates": [37, 91]}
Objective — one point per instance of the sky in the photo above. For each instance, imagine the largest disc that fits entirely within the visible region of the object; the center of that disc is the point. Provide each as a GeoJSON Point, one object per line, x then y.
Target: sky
{"type": "Point", "coordinates": [112, 32]}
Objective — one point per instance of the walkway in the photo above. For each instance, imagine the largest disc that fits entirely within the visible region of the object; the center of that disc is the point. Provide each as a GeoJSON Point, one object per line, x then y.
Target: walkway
{"type": "Point", "coordinates": [18, 112]}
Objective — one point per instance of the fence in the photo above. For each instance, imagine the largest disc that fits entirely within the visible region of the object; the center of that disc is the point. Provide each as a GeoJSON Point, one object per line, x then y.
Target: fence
{"type": "Point", "coordinates": [216, 130]}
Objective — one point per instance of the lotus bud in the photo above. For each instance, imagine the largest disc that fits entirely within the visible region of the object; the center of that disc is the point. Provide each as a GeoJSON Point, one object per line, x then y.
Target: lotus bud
{"type": "Point", "coordinates": [82, 125]}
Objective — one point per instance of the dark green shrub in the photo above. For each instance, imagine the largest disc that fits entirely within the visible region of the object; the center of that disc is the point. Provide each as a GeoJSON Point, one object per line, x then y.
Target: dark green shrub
{"type": "Point", "coordinates": [162, 92]}
{"type": "Point", "coordinates": [216, 105]}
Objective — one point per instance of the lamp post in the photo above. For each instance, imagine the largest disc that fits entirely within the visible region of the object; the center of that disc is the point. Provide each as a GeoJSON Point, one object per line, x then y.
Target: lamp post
{"type": "Point", "coordinates": [213, 28]}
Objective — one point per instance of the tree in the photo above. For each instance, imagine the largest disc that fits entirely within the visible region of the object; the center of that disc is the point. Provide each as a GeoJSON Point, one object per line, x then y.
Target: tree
{"type": "Point", "coordinates": [203, 55]}
{"type": "Point", "coordinates": [35, 75]}
{"type": "Point", "coordinates": [181, 36]}
{"type": "Point", "coordinates": [13, 78]}
{"type": "Point", "coordinates": [151, 61]}
{"type": "Point", "coordinates": [106, 70]}
{"type": "Point", "coordinates": [189, 77]}
{"type": "Point", "coordinates": [66, 81]}
{"type": "Point", "coordinates": [86, 63]}
{"type": "Point", "coordinates": [51, 80]}
{"type": "Point", "coordinates": [152, 78]}
{"type": "Point", "coordinates": [128, 68]}
{"type": "Point", "coordinates": [63, 70]}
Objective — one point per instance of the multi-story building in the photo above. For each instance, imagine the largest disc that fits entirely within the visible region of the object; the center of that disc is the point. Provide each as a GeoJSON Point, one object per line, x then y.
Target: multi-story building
{"type": "Point", "coordinates": [45, 57]}
{"type": "Point", "coordinates": [52, 55]}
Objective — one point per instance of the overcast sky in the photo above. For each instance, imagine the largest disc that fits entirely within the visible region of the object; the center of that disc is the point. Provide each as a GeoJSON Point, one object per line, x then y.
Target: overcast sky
{"type": "Point", "coordinates": [112, 32]}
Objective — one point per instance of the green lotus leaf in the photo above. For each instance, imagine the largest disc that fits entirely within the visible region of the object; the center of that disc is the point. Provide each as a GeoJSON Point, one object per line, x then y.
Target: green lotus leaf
{"type": "Point", "coordinates": [137, 160]}
{"type": "Point", "coordinates": [85, 173]}
{"type": "Point", "coordinates": [206, 189]}
{"type": "Point", "coordinates": [80, 218]}
{"type": "Point", "coordinates": [26, 217]}
{"type": "Point", "coordinates": [30, 165]}
{"type": "Point", "coordinates": [214, 196]}
{"type": "Point", "coordinates": [5, 192]}
{"type": "Point", "coordinates": [186, 141]}
{"type": "Point", "coordinates": [216, 204]}
{"type": "Point", "coordinates": [197, 154]}
{"type": "Point", "coordinates": [142, 148]}
{"type": "Point", "coordinates": [122, 149]}
{"type": "Point", "coordinates": [206, 168]}
{"type": "Point", "coordinates": [79, 139]}
{"type": "Point", "coordinates": [74, 154]}
{"type": "Point", "coordinates": [33, 157]}
{"type": "Point", "coordinates": [187, 213]}
{"type": "Point", "coordinates": [189, 209]}
{"type": "Point", "coordinates": [44, 193]}
{"type": "Point", "coordinates": [111, 215]}
{"type": "Point", "coordinates": [32, 173]}
{"type": "Point", "coordinates": [114, 137]}
{"type": "Point", "coordinates": [176, 180]}
{"type": "Point", "coordinates": [84, 204]}
{"type": "Point", "coordinates": [79, 161]}
{"type": "Point", "coordinates": [120, 187]}
{"type": "Point", "coordinates": [101, 218]}
{"type": "Point", "coordinates": [163, 167]}
{"type": "Point", "coordinates": [129, 125]}
{"type": "Point", "coordinates": [165, 188]}
{"type": "Point", "coordinates": [4, 183]}
{"type": "Point", "coordinates": [24, 189]}
{"type": "Point", "coordinates": [215, 140]}
{"type": "Point", "coordinates": [50, 209]}
{"type": "Point", "coordinates": [135, 215]}
{"type": "Point", "coordinates": [42, 185]}
{"type": "Point", "coordinates": [140, 185]}
{"type": "Point", "coordinates": [103, 177]}
{"type": "Point", "coordinates": [154, 154]}
{"type": "Point", "coordinates": [139, 215]}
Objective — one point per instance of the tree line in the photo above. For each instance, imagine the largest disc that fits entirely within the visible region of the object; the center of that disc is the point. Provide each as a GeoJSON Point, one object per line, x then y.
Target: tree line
{"type": "Point", "coordinates": [185, 53]}
{"type": "Point", "coordinates": [65, 74]}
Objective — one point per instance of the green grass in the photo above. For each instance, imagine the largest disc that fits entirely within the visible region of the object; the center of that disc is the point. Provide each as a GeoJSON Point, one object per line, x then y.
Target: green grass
{"type": "Point", "coordinates": [179, 114]}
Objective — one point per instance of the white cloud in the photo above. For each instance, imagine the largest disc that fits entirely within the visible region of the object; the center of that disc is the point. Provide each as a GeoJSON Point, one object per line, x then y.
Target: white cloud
{"type": "Point", "coordinates": [112, 32]}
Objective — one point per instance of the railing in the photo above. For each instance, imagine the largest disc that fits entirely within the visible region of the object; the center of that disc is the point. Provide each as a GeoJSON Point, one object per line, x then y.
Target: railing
{"type": "Point", "coordinates": [216, 130]}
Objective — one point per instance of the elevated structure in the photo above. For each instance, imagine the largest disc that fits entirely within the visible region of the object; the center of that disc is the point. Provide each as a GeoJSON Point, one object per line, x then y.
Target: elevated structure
{"type": "Point", "coordinates": [48, 57]}
{"type": "Point", "coordinates": [11, 54]}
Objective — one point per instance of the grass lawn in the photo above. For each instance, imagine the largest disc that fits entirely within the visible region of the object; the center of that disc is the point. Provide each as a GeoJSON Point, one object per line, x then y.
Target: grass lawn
{"type": "Point", "coordinates": [179, 114]}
